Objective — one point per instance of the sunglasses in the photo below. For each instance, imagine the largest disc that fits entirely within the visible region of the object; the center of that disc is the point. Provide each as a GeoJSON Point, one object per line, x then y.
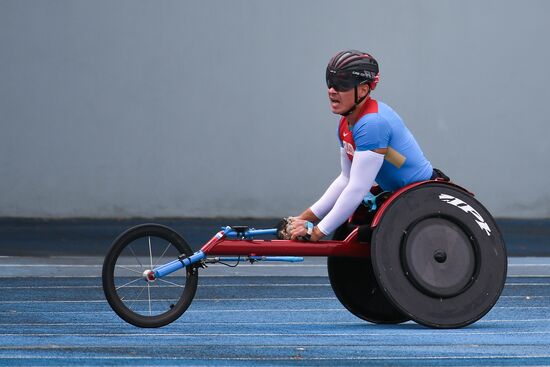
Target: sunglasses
{"type": "Point", "coordinates": [340, 87]}
{"type": "Point", "coordinates": [340, 83]}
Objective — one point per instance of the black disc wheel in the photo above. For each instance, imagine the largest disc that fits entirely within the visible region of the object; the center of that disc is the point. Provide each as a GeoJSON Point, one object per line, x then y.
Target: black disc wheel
{"type": "Point", "coordinates": [439, 257]}
{"type": "Point", "coordinates": [148, 302]}
{"type": "Point", "coordinates": [356, 287]}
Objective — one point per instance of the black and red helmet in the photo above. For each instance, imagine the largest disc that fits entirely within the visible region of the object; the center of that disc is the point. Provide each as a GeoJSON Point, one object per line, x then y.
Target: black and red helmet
{"type": "Point", "coordinates": [348, 69]}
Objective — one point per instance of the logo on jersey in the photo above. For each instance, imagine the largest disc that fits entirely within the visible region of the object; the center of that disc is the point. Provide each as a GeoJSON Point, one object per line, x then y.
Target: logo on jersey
{"type": "Point", "coordinates": [349, 148]}
{"type": "Point", "coordinates": [468, 209]}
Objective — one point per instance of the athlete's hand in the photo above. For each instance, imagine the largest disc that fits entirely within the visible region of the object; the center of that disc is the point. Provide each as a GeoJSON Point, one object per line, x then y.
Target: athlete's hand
{"type": "Point", "coordinates": [284, 227]}
{"type": "Point", "coordinates": [299, 228]}
{"type": "Point", "coordinates": [299, 231]}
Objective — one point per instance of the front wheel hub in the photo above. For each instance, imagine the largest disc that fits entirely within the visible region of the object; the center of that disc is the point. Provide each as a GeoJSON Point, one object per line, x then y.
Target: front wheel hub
{"type": "Point", "coordinates": [149, 276]}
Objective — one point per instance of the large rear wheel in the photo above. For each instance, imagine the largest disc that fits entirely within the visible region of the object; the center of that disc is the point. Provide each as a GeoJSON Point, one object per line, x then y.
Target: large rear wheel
{"type": "Point", "coordinates": [438, 255]}
{"type": "Point", "coordinates": [355, 285]}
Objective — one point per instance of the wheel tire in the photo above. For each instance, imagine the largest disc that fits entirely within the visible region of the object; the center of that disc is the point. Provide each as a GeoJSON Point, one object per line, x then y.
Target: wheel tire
{"type": "Point", "coordinates": [356, 287]}
{"type": "Point", "coordinates": [108, 276]}
{"type": "Point", "coordinates": [439, 257]}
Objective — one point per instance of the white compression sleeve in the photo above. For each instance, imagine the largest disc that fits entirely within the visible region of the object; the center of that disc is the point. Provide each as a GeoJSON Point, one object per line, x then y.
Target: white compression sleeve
{"type": "Point", "coordinates": [364, 169]}
{"type": "Point", "coordinates": [326, 202]}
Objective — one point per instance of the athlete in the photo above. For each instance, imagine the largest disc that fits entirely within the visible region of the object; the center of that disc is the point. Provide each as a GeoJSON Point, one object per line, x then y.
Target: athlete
{"type": "Point", "coordinates": [375, 146]}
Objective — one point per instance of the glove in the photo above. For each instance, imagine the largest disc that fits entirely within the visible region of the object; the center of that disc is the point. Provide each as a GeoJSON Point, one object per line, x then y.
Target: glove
{"type": "Point", "coordinates": [284, 227]}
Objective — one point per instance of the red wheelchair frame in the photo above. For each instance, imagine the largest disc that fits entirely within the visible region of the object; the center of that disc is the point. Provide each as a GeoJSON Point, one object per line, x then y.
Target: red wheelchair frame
{"type": "Point", "coordinates": [349, 247]}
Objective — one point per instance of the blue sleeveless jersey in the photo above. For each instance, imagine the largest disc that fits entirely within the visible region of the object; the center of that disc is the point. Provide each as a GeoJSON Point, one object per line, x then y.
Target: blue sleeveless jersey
{"type": "Point", "coordinates": [381, 127]}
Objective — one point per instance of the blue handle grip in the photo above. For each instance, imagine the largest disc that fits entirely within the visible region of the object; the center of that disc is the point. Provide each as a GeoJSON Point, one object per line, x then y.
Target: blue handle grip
{"type": "Point", "coordinates": [229, 232]}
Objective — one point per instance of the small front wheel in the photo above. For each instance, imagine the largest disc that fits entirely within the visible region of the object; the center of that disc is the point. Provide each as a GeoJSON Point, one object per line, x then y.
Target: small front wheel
{"type": "Point", "coordinates": [137, 300]}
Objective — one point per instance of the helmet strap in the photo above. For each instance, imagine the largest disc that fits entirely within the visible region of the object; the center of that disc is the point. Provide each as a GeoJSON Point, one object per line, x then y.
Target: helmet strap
{"type": "Point", "coordinates": [357, 102]}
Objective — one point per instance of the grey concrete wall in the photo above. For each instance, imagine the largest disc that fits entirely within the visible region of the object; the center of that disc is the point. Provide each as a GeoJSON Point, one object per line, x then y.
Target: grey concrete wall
{"type": "Point", "coordinates": [215, 108]}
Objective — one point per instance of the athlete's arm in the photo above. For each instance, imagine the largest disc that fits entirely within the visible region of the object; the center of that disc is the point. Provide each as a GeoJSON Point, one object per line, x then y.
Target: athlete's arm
{"type": "Point", "coordinates": [364, 169]}
{"type": "Point", "coordinates": [326, 202]}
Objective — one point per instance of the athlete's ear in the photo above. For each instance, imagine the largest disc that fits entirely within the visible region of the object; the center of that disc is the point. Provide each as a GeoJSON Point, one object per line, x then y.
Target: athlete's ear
{"type": "Point", "coordinates": [364, 89]}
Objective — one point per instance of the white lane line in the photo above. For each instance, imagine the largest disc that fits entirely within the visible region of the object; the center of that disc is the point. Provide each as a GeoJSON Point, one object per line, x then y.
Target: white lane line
{"type": "Point", "coordinates": [293, 358]}
{"type": "Point", "coordinates": [248, 285]}
{"type": "Point", "coordinates": [189, 323]}
{"type": "Point", "coordinates": [166, 300]}
{"type": "Point", "coordinates": [527, 265]}
{"type": "Point", "coordinates": [253, 285]}
{"type": "Point", "coordinates": [222, 323]}
{"type": "Point", "coordinates": [53, 265]}
{"type": "Point", "coordinates": [299, 347]}
{"type": "Point", "coordinates": [525, 284]}
{"type": "Point", "coordinates": [385, 358]}
{"type": "Point", "coordinates": [523, 307]}
{"type": "Point", "coordinates": [525, 297]}
{"type": "Point", "coordinates": [229, 310]}
{"type": "Point", "coordinates": [290, 358]}
{"type": "Point", "coordinates": [234, 300]}
{"type": "Point", "coordinates": [426, 332]}
{"type": "Point", "coordinates": [202, 275]}
{"type": "Point", "coordinates": [220, 310]}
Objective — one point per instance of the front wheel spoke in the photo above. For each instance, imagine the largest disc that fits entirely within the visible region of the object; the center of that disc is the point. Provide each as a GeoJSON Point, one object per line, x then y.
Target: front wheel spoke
{"type": "Point", "coordinates": [133, 253]}
{"type": "Point", "coordinates": [166, 299]}
{"type": "Point", "coordinates": [130, 282]}
{"type": "Point", "coordinates": [172, 283]}
{"type": "Point", "coordinates": [161, 256]}
{"type": "Point", "coordinates": [149, 295]}
{"type": "Point", "coordinates": [137, 297]}
{"type": "Point", "coordinates": [172, 299]}
{"type": "Point", "coordinates": [150, 253]}
{"type": "Point", "coordinates": [132, 270]}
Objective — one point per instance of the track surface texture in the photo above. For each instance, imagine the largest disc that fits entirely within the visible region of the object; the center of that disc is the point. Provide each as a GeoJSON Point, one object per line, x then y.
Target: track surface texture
{"type": "Point", "coordinates": [53, 311]}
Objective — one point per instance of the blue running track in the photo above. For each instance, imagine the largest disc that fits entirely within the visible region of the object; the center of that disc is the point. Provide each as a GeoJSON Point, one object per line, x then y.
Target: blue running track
{"type": "Point", "coordinates": [53, 313]}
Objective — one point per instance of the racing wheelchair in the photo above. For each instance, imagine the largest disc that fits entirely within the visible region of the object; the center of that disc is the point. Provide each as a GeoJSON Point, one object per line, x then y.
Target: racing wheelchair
{"type": "Point", "coordinates": [429, 252]}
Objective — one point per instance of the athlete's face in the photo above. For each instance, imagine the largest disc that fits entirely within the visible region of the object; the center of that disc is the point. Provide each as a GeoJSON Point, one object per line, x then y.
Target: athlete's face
{"type": "Point", "coordinates": [342, 101]}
